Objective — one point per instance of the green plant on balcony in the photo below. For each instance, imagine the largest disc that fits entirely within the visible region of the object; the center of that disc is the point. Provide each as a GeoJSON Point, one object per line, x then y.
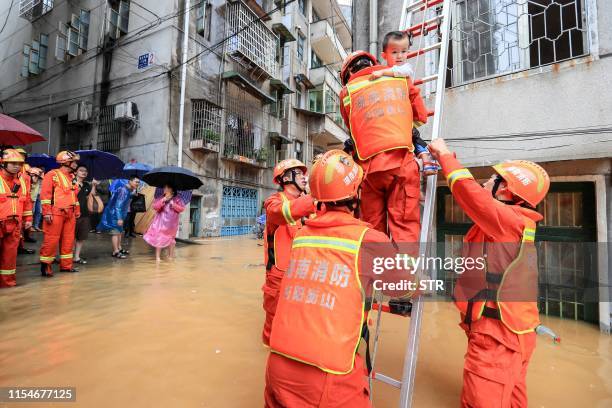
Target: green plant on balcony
{"type": "Point", "coordinates": [211, 136]}
{"type": "Point", "coordinates": [262, 154]}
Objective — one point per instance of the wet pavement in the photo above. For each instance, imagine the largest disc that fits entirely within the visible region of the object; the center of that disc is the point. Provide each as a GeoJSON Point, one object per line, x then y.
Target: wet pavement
{"type": "Point", "coordinates": [186, 333]}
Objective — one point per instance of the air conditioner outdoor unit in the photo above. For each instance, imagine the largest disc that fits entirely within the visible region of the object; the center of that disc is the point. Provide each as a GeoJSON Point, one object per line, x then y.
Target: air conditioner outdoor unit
{"type": "Point", "coordinates": [126, 111]}
{"type": "Point", "coordinates": [80, 112]}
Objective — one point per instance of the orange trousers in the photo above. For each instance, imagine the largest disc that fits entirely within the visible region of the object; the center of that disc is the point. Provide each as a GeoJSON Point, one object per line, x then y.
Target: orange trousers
{"type": "Point", "coordinates": [291, 384]}
{"type": "Point", "coordinates": [390, 202]}
{"type": "Point", "coordinates": [495, 369]}
{"type": "Point", "coordinates": [271, 288]}
{"type": "Point", "coordinates": [10, 234]}
{"type": "Point", "coordinates": [59, 232]}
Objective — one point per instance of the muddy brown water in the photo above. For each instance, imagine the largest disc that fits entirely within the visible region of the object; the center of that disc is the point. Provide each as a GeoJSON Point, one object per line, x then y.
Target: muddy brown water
{"type": "Point", "coordinates": [187, 334]}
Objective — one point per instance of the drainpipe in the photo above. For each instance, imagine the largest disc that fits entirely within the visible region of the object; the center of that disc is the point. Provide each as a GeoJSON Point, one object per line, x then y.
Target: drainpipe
{"type": "Point", "coordinates": [183, 77]}
{"type": "Point", "coordinates": [374, 27]}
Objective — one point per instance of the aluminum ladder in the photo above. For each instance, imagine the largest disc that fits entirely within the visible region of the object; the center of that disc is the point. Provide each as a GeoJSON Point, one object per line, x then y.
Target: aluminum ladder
{"type": "Point", "coordinates": [440, 22]}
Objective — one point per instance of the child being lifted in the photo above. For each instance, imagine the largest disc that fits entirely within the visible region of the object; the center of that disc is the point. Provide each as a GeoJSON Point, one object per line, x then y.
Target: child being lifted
{"type": "Point", "coordinates": [396, 47]}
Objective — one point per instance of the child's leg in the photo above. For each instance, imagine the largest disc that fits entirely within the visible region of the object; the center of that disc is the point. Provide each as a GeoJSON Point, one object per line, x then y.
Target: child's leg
{"type": "Point", "coordinates": [158, 254]}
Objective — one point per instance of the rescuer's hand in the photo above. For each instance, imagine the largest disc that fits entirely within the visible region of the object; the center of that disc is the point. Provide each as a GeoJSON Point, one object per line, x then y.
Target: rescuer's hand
{"type": "Point", "coordinates": [438, 148]}
{"type": "Point", "coordinates": [120, 223]}
{"type": "Point", "coordinates": [48, 219]}
{"type": "Point", "coordinates": [27, 225]}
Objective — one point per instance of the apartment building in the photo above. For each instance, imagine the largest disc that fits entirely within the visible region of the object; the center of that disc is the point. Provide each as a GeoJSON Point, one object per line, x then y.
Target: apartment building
{"type": "Point", "coordinates": [529, 79]}
{"type": "Point", "coordinates": [261, 85]}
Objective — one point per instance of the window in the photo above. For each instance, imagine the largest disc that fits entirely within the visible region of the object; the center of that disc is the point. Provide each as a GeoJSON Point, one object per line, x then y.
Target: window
{"type": "Point", "coordinates": [204, 19]}
{"type": "Point", "coordinates": [206, 122]}
{"type": "Point", "coordinates": [315, 61]}
{"type": "Point", "coordinates": [494, 37]}
{"type": "Point", "coordinates": [118, 19]}
{"type": "Point", "coordinates": [299, 150]}
{"type": "Point", "coordinates": [315, 100]}
{"type": "Point", "coordinates": [72, 38]}
{"type": "Point", "coordinates": [315, 16]}
{"type": "Point", "coordinates": [298, 97]}
{"type": "Point", "coordinates": [109, 130]}
{"type": "Point", "coordinates": [278, 108]}
{"type": "Point", "coordinates": [300, 46]}
{"type": "Point", "coordinates": [302, 6]}
{"type": "Point", "coordinates": [35, 56]}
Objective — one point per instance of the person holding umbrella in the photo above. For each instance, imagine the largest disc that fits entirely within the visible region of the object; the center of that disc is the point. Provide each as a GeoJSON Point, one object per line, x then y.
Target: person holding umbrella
{"type": "Point", "coordinates": [60, 207]}
{"type": "Point", "coordinates": [115, 214]}
{"type": "Point", "coordinates": [163, 229]}
{"type": "Point", "coordinates": [14, 204]}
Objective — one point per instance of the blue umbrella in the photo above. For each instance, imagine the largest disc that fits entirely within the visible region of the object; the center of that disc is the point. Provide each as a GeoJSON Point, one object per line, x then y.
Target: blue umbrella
{"type": "Point", "coordinates": [43, 161]}
{"type": "Point", "coordinates": [136, 169]}
{"type": "Point", "coordinates": [101, 165]}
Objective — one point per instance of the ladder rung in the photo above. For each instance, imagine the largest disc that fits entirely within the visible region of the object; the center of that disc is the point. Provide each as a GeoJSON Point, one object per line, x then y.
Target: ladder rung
{"type": "Point", "coordinates": [428, 25]}
{"type": "Point", "coordinates": [386, 379]}
{"type": "Point", "coordinates": [422, 51]}
{"type": "Point", "coordinates": [425, 79]}
{"type": "Point", "coordinates": [422, 5]}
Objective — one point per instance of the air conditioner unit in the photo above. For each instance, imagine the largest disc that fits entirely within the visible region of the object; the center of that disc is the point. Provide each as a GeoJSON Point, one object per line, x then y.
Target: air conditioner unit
{"type": "Point", "coordinates": [126, 111]}
{"type": "Point", "coordinates": [80, 112]}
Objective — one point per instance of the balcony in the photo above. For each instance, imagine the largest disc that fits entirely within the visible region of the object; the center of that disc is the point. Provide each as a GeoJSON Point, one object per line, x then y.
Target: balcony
{"type": "Point", "coordinates": [33, 9]}
{"type": "Point", "coordinates": [330, 11]}
{"type": "Point", "coordinates": [253, 47]}
{"type": "Point", "coordinates": [281, 25]}
{"type": "Point", "coordinates": [325, 75]}
{"type": "Point", "coordinates": [326, 44]}
{"type": "Point", "coordinates": [326, 132]}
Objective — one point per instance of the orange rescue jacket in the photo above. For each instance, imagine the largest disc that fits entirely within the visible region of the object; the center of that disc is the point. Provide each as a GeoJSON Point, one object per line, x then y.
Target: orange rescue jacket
{"type": "Point", "coordinates": [380, 115]}
{"type": "Point", "coordinates": [507, 288]}
{"type": "Point", "coordinates": [58, 192]}
{"type": "Point", "coordinates": [17, 204]}
{"type": "Point", "coordinates": [283, 219]}
{"type": "Point", "coordinates": [321, 306]}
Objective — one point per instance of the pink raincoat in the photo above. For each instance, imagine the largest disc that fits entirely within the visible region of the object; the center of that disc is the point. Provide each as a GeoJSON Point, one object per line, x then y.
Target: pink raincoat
{"type": "Point", "coordinates": [163, 229]}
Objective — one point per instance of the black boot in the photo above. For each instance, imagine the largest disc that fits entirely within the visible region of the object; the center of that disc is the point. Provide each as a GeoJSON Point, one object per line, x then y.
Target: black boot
{"type": "Point", "coordinates": [24, 250]}
{"type": "Point", "coordinates": [69, 270]}
{"type": "Point", "coordinates": [46, 270]}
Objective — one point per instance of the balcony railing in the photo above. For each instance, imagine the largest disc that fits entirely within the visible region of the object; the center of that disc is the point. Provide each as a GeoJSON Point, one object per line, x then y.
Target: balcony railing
{"type": "Point", "coordinates": [252, 42]}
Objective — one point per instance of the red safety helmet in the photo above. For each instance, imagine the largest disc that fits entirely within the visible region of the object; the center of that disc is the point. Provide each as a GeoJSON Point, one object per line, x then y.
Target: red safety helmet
{"type": "Point", "coordinates": [66, 156]}
{"type": "Point", "coordinates": [335, 177]}
{"type": "Point", "coordinates": [348, 61]}
{"type": "Point", "coordinates": [525, 179]}
{"type": "Point", "coordinates": [285, 165]}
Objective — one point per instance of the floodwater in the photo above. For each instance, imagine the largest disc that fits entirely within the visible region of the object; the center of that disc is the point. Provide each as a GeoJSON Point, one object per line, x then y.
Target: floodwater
{"type": "Point", "coordinates": [187, 334]}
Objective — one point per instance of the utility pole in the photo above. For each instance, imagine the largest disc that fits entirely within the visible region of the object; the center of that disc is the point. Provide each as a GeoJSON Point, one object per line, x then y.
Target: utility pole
{"type": "Point", "coordinates": [183, 80]}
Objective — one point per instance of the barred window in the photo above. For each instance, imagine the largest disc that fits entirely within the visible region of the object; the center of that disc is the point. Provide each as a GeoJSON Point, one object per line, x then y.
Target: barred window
{"type": "Point", "coordinates": [494, 37]}
{"type": "Point", "coordinates": [109, 130]}
{"type": "Point", "coordinates": [205, 122]}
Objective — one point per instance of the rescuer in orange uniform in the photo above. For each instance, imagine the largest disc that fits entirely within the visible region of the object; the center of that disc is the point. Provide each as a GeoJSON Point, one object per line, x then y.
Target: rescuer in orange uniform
{"type": "Point", "coordinates": [498, 303]}
{"type": "Point", "coordinates": [25, 232]}
{"type": "Point", "coordinates": [322, 304]}
{"type": "Point", "coordinates": [60, 208]}
{"type": "Point", "coordinates": [284, 211]}
{"type": "Point", "coordinates": [380, 114]}
{"type": "Point", "coordinates": [15, 206]}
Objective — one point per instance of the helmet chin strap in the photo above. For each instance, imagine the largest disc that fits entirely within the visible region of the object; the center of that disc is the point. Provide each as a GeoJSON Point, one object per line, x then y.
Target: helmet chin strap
{"type": "Point", "coordinates": [292, 181]}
